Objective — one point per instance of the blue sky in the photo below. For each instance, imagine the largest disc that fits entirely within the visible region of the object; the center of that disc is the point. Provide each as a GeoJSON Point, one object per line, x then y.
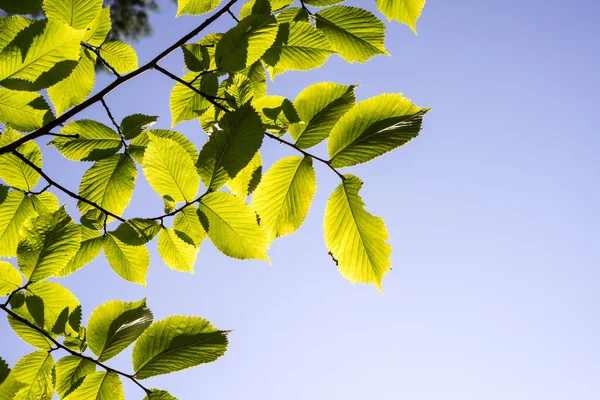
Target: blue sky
{"type": "Point", "coordinates": [492, 212]}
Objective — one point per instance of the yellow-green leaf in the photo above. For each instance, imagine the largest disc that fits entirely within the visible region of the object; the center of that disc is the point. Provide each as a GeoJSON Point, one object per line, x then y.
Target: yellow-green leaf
{"type": "Point", "coordinates": [196, 7]}
{"type": "Point", "coordinates": [120, 56]}
{"type": "Point", "coordinates": [91, 141]}
{"type": "Point", "coordinates": [10, 278]}
{"type": "Point", "coordinates": [284, 195]}
{"type": "Point", "coordinates": [246, 180]}
{"type": "Point", "coordinates": [188, 222]}
{"type": "Point", "coordinates": [99, 386]}
{"type": "Point", "coordinates": [187, 104]}
{"type": "Point", "coordinates": [97, 31]}
{"type": "Point", "coordinates": [35, 372]}
{"type": "Point", "coordinates": [13, 170]}
{"type": "Point", "coordinates": [90, 247]}
{"type": "Point", "coordinates": [29, 335]}
{"type": "Point", "coordinates": [74, 89]}
{"type": "Point", "coordinates": [355, 238]}
{"type": "Point", "coordinates": [405, 11]}
{"type": "Point", "coordinates": [23, 111]}
{"type": "Point", "coordinates": [130, 262]}
{"type": "Point", "coordinates": [15, 209]}
{"type": "Point", "coordinates": [177, 250]}
{"type": "Point", "coordinates": [70, 371]}
{"type": "Point", "coordinates": [76, 13]}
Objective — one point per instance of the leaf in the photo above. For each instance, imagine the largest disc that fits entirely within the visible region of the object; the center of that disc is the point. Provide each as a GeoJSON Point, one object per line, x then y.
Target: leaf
{"type": "Point", "coordinates": [277, 113]}
{"type": "Point", "coordinates": [298, 47]}
{"type": "Point", "coordinates": [354, 33]}
{"type": "Point", "coordinates": [23, 111]}
{"type": "Point", "coordinates": [232, 226]}
{"type": "Point", "coordinates": [4, 370]}
{"type": "Point", "coordinates": [188, 222]}
{"type": "Point", "coordinates": [177, 250]}
{"type": "Point", "coordinates": [10, 278]}
{"type": "Point", "coordinates": [284, 195]}
{"type": "Point", "coordinates": [137, 231]}
{"type": "Point", "coordinates": [10, 27]}
{"type": "Point", "coordinates": [35, 372]}
{"type": "Point", "coordinates": [15, 172]}
{"type": "Point", "coordinates": [196, 57]}
{"type": "Point", "coordinates": [230, 147]}
{"type": "Point", "coordinates": [15, 209]}
{"type": "Point", "coordinates": [320, 106]}
{"type": "Point", "coordinates": [97, 31]}
{"type": "Point", "coordinates": [169, 170]}
{"type": "Point", "coordinates": [130, 262]}
{"type": "Point", "coordinates": [47, 244]}
{"type": "Point", "coordinates": [237, 89]}
{"type": "Point", "coordinates": [20, 6]}
{"type": "Point", "coordinates": [89, 248]}
{"type": "Point", "coordinates": [246, 180]}
{"type": "Point", "coordinates": [70, 371]}
{"type": "Point", "coordinates": [74, 89]}
{"type": "Point", "coordinates": [187, 104]}
{"type": "Point", "coordinates": [29, 335]}
{"type": "Point", "coordinates": [113, 326]}
{"type": "Point", "coordinates": [99, 385]}
{"type": "Point", "coordinates": [44, 202]}
{"type": "Point", "coordinates": [137, 147]}
{"type": "Point", "coordinates": [372, 128]}
{"type": "Point", "coordinates": [53, 299]}
{"type": "Point", "coordinates": [177, 343]}
{"type": "Point", "coordinates": [292, 14]}
{"type": "Point", "coordinates": [120, 56]}
{"type": "Point", "coordinates": [322, 3]}
{"type": "Point", "coordinates": [41, 55]}
{"type": "Point", "coordinates": [134, 125]}
{"type": "Point", "coordinates": [258, 77]}
{"type": "Point", "coordinates": [76, 13]}
{"type": "Point", "coordinates": [355, 238]}
{"type": "Point", "coordinates": [196, 7]}
{"type": "Point", "coordinates": [405, 11]}
{"type": "Point", "coordinates": [245, 43]}
{"type": "Point", "coordinates": [156, 394]}
{"type": "Point", "coordinates": [109, 183]}
{"type": "Point", "coordinates": [94, 142]}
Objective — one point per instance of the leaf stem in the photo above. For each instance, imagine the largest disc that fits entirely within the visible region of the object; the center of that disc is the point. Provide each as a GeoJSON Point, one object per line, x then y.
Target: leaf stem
{"type": "Point", "coordinates": [68, 350]}
{"type": "Point", "coordinates": [114, 122]}
{"type": "Point", "coordinates": [45, 130]}
{"type": "Point", "coordinates": [233, 16]}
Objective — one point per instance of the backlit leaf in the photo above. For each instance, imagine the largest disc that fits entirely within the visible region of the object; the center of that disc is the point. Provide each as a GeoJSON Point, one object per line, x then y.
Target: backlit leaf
{"type": "Point", "coordinates": [246, 180]}
{"type": "Point", "coordinates": [74, 89]}
{"type": "Point", "coordinates": [188, 222]}
{"type": "Point", "coordinates": [405, 11]}
{"type": "Point", "coordinates": [10, 278]}
{"type": "Point", "coordinates": [15, 172]}
{"type": "Point", "coordinates": [135, 124]}
{"type": "Point", "coordinates": [130, 262]}
{"type": "Point", "coordinates": [89, 248]}
{"type": "Point", "coordinates": [137, 147]}
{"type": "Point", "coordinates": [35, 372]}
{"type": "Point", "coordinates": [23, 111]}
{"type": "Point", "coordinates": [29, 335]}
{"type": "Point", "coordinates": [187, 104]}
{"type": "Point", "coordinates": [99, 386]}
{"type": "Point", "coordinates": [15, 209]}
{"type": "Point", "coordinates": [97, 31]}
{"type": "Point", "coordinates": [70, 371]}
{"type": "Point", "coordinates": [119, 55]}
{"type": "Point", "coordinates": [196, 7]}
{"type": "Point", "coordinates": [95, 141]}
{"type": "Point", "coordinates": [76, 13]}
{"type": "Point", "coordinates": [177, 250]}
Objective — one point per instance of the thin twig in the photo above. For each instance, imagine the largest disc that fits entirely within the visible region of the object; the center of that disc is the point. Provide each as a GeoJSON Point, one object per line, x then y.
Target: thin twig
{"type": "Point", "coordinates": [116, 83]}
{"type": "Point", "coordinates": [48, 186]}
{"type": "Point", "coordinates": [211, 99]}
{"type": "Point", "coordinates": [96, 51]}
{"type": "Point", "coordinates": [68, 350]}
{"type": "Point", "coordinates": [114, 122]}
{"type": "Point", "coordinates": [233, 16]}
{"type": "Point", "coordinates": [307, 154]}
{"type": "Point", "coordinates": [67, 135]}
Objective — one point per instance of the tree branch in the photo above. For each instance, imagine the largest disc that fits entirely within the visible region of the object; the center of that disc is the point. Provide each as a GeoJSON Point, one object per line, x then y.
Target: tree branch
{"type": "Point", "coordinates": [118, 82]}
{"type": "Point", "coordinates": [114, 122]}
{"type": "Point", "coordinates": [59, 345]}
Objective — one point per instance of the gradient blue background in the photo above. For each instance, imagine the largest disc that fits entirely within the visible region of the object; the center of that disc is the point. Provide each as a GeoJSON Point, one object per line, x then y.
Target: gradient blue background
{"type": "Point", "coordinates": [492, 212]}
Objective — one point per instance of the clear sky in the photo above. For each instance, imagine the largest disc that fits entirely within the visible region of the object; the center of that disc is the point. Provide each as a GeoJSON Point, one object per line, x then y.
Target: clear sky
{"type": "Point", "coordinates": [492, 212]}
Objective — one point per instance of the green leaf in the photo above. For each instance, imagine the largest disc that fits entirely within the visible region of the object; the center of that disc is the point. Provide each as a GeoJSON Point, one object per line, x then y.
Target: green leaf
{"type": "Point", "coordinates": [77, 343]}
{"type": "Point", "coordinates": [76, 13]}
{"type": "Point", "coordinates": [188, 222]}
{"type": "Point", "coordinates": [97, 31]}
{"type": "Point", "coordinates": [108, 183]}
{"type": "Point", "coordinates": [169, 170]}
{"type": "Point", "coordinates": [133, 125]}
{"type": "Point", "coordinates": [322, 3]}
{"type": "Point", "coordinates": [4, 370]}
{"type": "Point", "coordinates": [169, 204]}
{"type": "Point", "coordinates": [10, 27]}
{"type": "Point", "coordinates": [230, 147]}
{"type": "Point", "coordinates": [196, 57]}
{"type": "Point", "coordinates": [54, 298]}
{"type": "Point", "coordinates": [10, 278]}
{"type": "Point", "coordinates": [245, 43]}
{"type": "Point", "coordinates": [120, 56]}
{"type": "Point", "coordinates": [187, 104]}
{"type": "Point", "coordinates": [70, 372]}
{"type": "Point", "coordinates": [15, 172]}
{"type": "Point", "coordinates": [99, 385]}
{"type": "Point", "coordinates": [156, 394]}
{"type": "Point", "coordinates": [260, 7]}
{"type": "Point", "coordinates": [356, 34]}
{"type": "Point", "coordinates": [47, 244]}
{"type": "Point", "coordinates": [137, 231]}
{"type": "Point", "coordinates": [113, 326]}
{"type": "Point", "coordinates": [138, 145]}
{"type": "Point", "coordinates": [23, 111]}
{"type": "Point", "coordinates": [196, 7]}
{"type": "Point", "coordinates": [372, 128]}
{"type": "Point", "coordinates": [15, 209]}
{"type": "Point", "coordinates": [405, 11]}
{"type": "Point", "coordinates": [298, 47]}
{"type": "Point", "coordinates": [130, 262]}
{"type": "Point", "coordinates": [320, 106]}
{"type": "Point", "coordinates": [74, 89]}
{"type": "Point", "coordinates": [233, 227]}
{"type": "Point", "coordinates": [95, 141]}
{"type": "Point", "coordinates": [237, 89]}
{"type": "Point", "coordinates": [177, 250]}
{"type": "Point", "coordinates": [284, 195]}
{"type": "Point", "coordinates": [355, 238]}
{"type": "Point", "coordinates": [292, 14]}
{"type": "Point", "coordinates": [20, 6]}
{"type": "Point", "coordinates": [246, 180]}
{"type": "Point", "coordinates": [35, 372]}
{"type": "Point", "coordinates": [90, 247]}
{"type": "Point", "coordinates": [210, 42]}
{"type": "Point", "coordinates": [177, 343]}
{"type": "Point", "coordinates": [258, 77]}
{"type": "Point", "coordinates": [41, 55]}
{"type": "Point", "coordinates": [30, 335]}
{"type": "Point", "coordinates": [45, 202]}
{"type": "Point", "coordinates": [277, 113]}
